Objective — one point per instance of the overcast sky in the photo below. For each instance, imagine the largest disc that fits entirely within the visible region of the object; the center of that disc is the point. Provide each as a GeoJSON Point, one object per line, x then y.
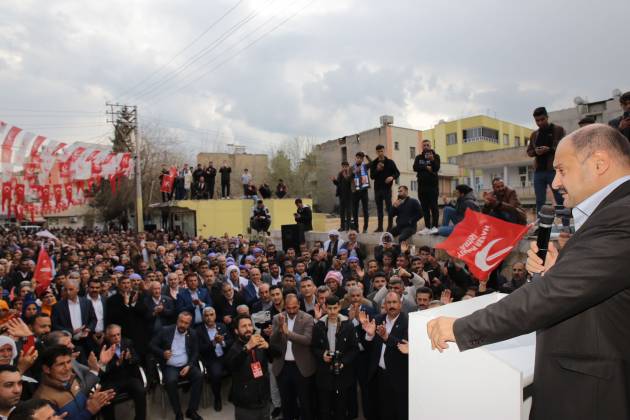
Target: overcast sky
{"type": "Point", "coordinates": [266, 70]}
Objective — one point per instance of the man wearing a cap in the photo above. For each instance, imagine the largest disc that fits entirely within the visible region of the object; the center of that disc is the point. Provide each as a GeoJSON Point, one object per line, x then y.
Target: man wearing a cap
{"type": "Point", "coordinates": [333, 244]}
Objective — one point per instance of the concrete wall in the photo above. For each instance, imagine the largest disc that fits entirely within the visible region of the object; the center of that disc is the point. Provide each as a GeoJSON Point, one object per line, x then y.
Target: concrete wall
{"type": "Point", "coordinates": [258, 166]}
{"type": "Point", "coordinates": [216, 217]}
{"type": "Point", "coordinates": [329, 156]}
{"type": "Point", "coordinates": [603, 111]}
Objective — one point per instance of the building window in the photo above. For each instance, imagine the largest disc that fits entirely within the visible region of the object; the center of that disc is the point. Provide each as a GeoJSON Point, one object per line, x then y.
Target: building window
{"type": "Point", "coordinates": [526, 141]}
{"type": "Point", "coordinates": [506, 139]}
{"type": "Point", "coordinates": [517, 141]}
{"type": "Point", "coordinates": [413, 185]}
{"type": "Point", "coordinates": [471, 135]}
{"type": "Point", "coordinates": [344, 154]}
{"type": "Point", "coordinates": [412, 152]}
{"type": "Point", "coordinates": [396, 146]}
{"type": "Point", "coordinates": [452, 160]}
{"type": "Point", "coordinates": [451, 138]}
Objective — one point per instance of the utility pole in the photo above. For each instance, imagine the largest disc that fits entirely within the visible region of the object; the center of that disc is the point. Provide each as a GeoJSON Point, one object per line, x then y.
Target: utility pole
{"type": "Point", "coordinates": [125, 121]}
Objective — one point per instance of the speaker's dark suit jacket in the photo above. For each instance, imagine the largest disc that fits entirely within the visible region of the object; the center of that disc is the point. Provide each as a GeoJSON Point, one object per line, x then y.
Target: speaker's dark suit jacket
{"type": "Point", "coordinates": [581, 311]}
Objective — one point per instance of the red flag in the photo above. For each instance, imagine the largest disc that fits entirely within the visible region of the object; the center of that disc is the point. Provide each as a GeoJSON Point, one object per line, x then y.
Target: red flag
{"type": "Point", "coordinates": [43, 272]}
{"type": "Point", "coordinates": [7, 195]}
{"type": "Point", "coordinates": [68, 188]}
{"type": "Point", "coordinates": [57, 192]}
{"type": "Point", "coordinates": [19, 193]}
{"type": "Point", "coordinates": [167, 183]}
{"type": "Point", "coordinates": [482, 242]}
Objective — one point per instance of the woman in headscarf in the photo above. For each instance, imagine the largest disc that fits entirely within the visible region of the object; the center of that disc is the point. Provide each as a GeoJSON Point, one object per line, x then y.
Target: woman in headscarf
{"type": "Point", "coordinates": [30, 308]}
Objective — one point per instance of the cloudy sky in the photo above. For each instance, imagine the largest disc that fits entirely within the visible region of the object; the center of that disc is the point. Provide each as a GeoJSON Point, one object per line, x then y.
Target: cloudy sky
{"type": "Point", "coordinates": [255, 72]}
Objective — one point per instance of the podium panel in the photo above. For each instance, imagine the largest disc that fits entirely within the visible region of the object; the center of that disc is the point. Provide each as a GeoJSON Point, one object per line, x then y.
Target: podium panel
{"type": "Point", "coordinates": [486, 383]}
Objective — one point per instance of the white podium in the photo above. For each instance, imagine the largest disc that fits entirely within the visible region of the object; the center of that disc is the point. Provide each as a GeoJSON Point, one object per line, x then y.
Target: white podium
{"type": "Point", "coordinates": [486, 383]}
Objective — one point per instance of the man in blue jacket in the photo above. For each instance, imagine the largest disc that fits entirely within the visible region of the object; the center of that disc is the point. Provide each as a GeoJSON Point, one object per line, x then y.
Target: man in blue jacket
{"type": "Point", "coordinates": [193, 299]}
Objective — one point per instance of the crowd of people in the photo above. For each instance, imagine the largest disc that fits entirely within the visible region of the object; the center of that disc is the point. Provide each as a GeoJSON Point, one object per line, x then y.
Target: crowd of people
{"type": "Point", "coordinates": [200, 184]}
{"type": "Point", "coordinates": [303, 333]}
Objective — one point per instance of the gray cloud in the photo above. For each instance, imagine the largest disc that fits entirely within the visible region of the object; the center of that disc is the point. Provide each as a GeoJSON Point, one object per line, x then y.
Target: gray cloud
{"type": "Point", "coordinates": [330, 71]}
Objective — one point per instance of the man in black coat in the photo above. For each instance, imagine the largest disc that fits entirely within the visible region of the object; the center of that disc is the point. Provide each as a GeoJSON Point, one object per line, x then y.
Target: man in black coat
{"type": "Point", "coordinates": [581, 306]}
{"type": "Point", "coordinates": [211, 176]}
{"type": "Point", "coordinates": [160, 309]}
{"type": "Point", "coordinates": [407, 211]}
{"type": "Point", "coordinates": [427, 165]}
{"type": "Point", "coordinates": [388, 369]}
{"type": "Point", "coordinates": [126, 308]}
{"type": "Point", "coordinates": [335, 373]}
{"type": "Point", "coordinates": [248, 360]}
{"type": "Point", "coordinates": [122, 374]}
{"type": "Point", "coordinates": [177, 349]}
{"type": "Point", "coordinates": [303, 215]}
{"type": "Point", "coordinates": [76, 315]}
{"type": "Point", "coordinates": [384, 172]}
{"type": "Point", "coordinates": [214, 342]}
{"type": "Point", "coordinates": [344, 183]}
{"type": "Point", "coordinates": [622, 123]}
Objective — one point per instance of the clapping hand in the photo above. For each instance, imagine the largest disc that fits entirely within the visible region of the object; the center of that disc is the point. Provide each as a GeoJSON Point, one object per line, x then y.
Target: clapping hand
{"type": "Point", "coordinates": [27, 359]}
{"type": "Point", "coordinates": [284, 324]}
{"type": "Point", "coordinates": [404, 247]}
{"type": "Point", "coordinates": [403, 346]}
{"type": "Point", "coordinates": [381, 330]}
{"type": "Point", "coordinates": [18, 328]}
{"type": "Point", "coordinates": [446, 298]}
{"type": "Point", "coordinates": [107, 354]}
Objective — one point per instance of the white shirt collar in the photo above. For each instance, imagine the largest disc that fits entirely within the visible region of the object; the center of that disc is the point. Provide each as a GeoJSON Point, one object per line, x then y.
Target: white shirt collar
{"type": "Point", "coordinates": [582, 211]}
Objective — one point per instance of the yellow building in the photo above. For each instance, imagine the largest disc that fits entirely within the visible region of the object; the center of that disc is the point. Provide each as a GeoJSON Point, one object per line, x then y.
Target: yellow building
{"type": "Point", "coordinates": [475, 134]}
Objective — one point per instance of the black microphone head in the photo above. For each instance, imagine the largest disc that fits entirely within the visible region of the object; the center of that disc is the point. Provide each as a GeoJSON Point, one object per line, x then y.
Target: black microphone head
{"type": "Point", "coordinates": [546, 215]}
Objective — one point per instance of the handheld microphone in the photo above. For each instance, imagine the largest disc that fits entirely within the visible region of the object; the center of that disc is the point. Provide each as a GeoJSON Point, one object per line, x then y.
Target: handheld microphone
{"type": "Point", "coordinates": [546, 217]}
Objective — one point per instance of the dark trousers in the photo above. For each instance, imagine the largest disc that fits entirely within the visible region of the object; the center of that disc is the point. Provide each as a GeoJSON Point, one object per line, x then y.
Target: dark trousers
{"type": "Point", "coordinates": [542, 179]}
{"type": "Point", "coordinates": [430, 210]}
{"type": "Point", "coordinates": [360, 196]}
{"type": "Point", "coordinates": [166, 196]}
{"type": "Point", "coordinates": [404, 232]}
{"type": "Point", "coordinates": [362, 382]}
{"type": "Point", "coordinates": [295, 388]}
{"type": "Point", "coordinates": [215, 375]}
{"type": "Point", "coordinates": [333, 404]}
{"type": "Point", "coordinates": [241, 413]}
{"type": "Point", "coordinates": [225, 189]}
{"type": "Point", "coordinates": [380, 195]}
{"type": "Point", "coordinates": [389, 400]}
{"type": "Point", "coordinates": [261, 225]}
{"type": "Point", "coordinates": [131, 386]}
{"type": "Point", "coordinates": [211, 188]}
{"type": "Point", "coordinates": [171, 377]}
{"type": "Point", "coordinates": [345, 212]}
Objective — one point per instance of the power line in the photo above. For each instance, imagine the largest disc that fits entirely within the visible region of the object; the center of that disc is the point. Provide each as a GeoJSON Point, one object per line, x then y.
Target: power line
{"type": "Point", "coordinates": [197, 56]}
{"type": "Point", "coordinates": [237, 53]}
{"type": "Point", "coordinates": [180, 52]}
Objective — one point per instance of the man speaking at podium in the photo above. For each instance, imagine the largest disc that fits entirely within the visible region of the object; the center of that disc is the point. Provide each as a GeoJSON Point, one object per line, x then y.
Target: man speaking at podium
{"type": "Point", "coordinates": [580, 307]}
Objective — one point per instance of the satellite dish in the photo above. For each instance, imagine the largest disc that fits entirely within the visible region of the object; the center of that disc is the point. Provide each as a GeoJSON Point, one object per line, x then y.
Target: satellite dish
{"type": "Point", "coordinates": [578, 100]}
{"type": "Point", "coordinates": [616, 93]}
